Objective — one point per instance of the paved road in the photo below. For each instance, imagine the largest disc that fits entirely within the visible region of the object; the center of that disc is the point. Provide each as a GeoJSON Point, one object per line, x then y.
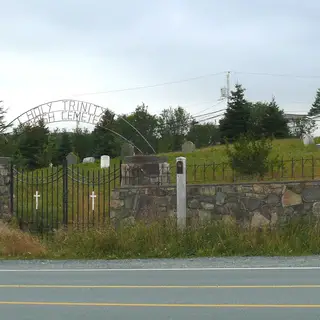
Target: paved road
{"type": "Point", "coordinates": [239, 288]}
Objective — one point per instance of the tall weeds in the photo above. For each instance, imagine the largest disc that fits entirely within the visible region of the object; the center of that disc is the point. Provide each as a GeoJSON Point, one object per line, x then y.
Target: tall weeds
{"type": "Point", "coordinates": [163, 240]}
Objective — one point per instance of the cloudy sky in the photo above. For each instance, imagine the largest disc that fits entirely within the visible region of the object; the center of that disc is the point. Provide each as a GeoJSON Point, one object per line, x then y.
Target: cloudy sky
{"type": "Point", "coordinates": [75, 48]}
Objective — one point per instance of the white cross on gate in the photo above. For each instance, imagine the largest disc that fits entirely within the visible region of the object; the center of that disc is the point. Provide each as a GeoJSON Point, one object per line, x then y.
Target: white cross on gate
{"type": "Point", "coordinates": [37, 195]}
{"type": "Point", "coordinates": [92, 196]}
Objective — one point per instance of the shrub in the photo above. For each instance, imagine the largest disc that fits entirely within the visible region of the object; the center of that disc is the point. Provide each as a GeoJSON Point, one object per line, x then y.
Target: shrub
{"type": "Point", "coordinates": [249, 156]}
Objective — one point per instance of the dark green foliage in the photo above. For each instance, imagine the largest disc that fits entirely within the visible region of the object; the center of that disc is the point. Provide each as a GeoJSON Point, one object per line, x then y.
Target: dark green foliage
{"type": "Point", "coordinates": [302, 126]}
{"type": "Point", "coordinates": [249, 156]}
{"type": "Point", "coordinates": [32, 145]}
{"type": "Point", "coordinates": [174, 125]}
{"type": "Point", "coordinates": [82, 142]}
{"type": "Point", "coordinates": [64, 147]}
{"type": "Point", "coordinates": [273, 122]}
{"type": "Point", "coordinates": [315, 108]}
{"type": "Point", "coordinates": [203, 135]}
{"type": "Point", "coordinates": [236, 119]}
{"type": "Point", "coordinates": [143, 122]}
{"type": "Point", "coordinates": [104, 141]}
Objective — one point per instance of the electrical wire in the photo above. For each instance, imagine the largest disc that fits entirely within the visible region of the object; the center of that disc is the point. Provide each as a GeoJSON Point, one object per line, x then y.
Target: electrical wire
{"type": "Point", "coordinates": [277, 75]}
{"type": "Point", "coordinates": [153, 85]}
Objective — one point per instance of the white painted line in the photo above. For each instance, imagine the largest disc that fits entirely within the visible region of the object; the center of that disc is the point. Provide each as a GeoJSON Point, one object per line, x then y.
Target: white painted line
{"type": "Point", "coordinates": [165, 269]}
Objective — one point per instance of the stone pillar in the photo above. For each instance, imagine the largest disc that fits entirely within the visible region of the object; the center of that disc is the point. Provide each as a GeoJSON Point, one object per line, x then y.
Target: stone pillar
{"type": "Point", "coordinates": [145, 170]}
{"type": "Point", "coordinates": [6, 196]}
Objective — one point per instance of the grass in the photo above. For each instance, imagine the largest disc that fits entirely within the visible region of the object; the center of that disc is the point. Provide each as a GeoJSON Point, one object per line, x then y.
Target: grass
{"type": "Point", "coordinates": [161, 239]}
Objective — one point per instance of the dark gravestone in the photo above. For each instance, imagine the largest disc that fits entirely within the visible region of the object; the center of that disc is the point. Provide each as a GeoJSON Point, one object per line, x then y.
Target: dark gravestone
{"type": "Point", "coordinates": [145, 170]}
{"type": "Point", "coordinates": [71, 159]}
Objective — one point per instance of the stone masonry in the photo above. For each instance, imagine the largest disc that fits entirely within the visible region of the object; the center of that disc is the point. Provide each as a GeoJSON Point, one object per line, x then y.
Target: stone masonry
{"type": "Point", "coordinates": [5, 184]}
{"type": "Point", "coordinates": [252, 204]}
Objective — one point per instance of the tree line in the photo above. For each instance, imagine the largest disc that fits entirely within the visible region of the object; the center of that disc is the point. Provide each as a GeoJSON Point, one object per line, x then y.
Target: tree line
{"type": "Point", "coordinates": [34, 146]}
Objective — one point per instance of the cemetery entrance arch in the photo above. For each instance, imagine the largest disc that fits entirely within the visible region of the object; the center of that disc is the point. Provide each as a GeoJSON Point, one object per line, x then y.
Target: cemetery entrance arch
{"type": "Point", "coordinates": [69, 195]}
{"type": "Point", "coordinates": [73, 111]}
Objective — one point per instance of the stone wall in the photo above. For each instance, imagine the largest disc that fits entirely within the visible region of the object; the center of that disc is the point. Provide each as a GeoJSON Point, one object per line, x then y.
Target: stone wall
{"type": "Point", "coordinates": [5, 184]}
{"type": "Point", "coordinates": [254, 204]}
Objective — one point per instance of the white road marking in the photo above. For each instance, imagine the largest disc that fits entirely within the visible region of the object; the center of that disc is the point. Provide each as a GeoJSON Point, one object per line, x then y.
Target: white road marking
{"type": "Point", "coordinates": [164, 269]}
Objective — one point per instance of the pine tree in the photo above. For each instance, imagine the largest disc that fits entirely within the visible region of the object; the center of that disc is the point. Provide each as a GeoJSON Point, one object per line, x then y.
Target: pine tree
{"type": "Point", "coordinates": [236, 120]}
{"type": "Point", "coordinates": [105, 142]}
{"type": "Point", "coordinates": [32, 145]}
{"type": "Point", "coordinates": [315, 108]}
{"type": "Point", "coordinates": [273, 122]}
{"type": "Point", "coordinates": [65, 147]}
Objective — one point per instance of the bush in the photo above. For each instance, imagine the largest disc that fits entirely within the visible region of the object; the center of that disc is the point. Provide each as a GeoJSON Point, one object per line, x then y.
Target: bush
{"type": "Point", "coordinates": [249, 156]}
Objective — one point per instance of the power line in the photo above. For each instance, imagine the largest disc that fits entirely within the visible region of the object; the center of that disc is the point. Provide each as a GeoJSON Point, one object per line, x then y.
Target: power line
{"type": "Point", "coordinates": [209, 114]}
{"type": "Point", "coordinates": [153, 85]}
{"type": "Point", "coordinates": [277, 75]}
{"type": "Point", "coordinates": [198, 78]}
{"type": "Point", "coordinates": [196, 114]}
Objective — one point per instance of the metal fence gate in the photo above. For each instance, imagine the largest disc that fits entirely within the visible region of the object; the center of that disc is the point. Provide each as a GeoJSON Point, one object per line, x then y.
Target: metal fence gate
{"type": "Point", "coordinates": [44, 200]}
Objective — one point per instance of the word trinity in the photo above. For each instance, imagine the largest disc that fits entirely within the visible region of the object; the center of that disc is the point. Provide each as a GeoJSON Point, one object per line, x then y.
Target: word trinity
{"type": "Point", "coordinates": [64, 110]}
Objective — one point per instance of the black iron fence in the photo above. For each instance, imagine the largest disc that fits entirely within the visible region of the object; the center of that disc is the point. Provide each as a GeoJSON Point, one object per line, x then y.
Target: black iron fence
{"type": "Point", "coordinates": [283, 169]}
{"type": "Point", "coordinates": [71, 196]}
{"type": "Point", "coordinates": [222, 172]}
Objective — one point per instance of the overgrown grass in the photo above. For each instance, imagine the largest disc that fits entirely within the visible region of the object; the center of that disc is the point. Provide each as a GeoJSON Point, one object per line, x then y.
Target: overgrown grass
{"type": "Point", "coordinates": [15, 243]}
{"type": "Point", "coordinates": [163, 240]}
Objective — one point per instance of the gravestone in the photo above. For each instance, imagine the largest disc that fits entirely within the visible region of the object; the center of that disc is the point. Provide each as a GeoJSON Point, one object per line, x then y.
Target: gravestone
{"type": "Point", "coordinates": [145, 170]}
{"type": "Point", "coordinates": [89, 160]}
{"type": "Point", "coordinates": [104, 162]}
{"type": "Point", "coordinates": [307, 139]}
{"type": "Point", "coordinates": [188, 147]}
{"type": "Point", "coordinates": [71, 159]}
{"type": "Point", "coordinates": [127, 150]}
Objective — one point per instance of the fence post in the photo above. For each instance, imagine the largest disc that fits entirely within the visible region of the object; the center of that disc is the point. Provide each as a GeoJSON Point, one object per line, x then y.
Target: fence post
{"type": "Point", "coordinates": [181, 192]}
{"type": "Point", "coordinates": [65, 194]}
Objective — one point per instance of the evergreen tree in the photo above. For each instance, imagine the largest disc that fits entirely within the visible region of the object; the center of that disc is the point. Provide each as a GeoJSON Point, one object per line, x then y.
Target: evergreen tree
{"type": "Point", "coordinates": [315, 108]}
{"type": "Point", "coordinates": [6, 143]}
{"type": "Point", "coordinates": [273, 122]}
{"type": "Point", "coordinates": [33, 145]}
{"type": "Point", "coordinates": [236, 119]}
{"type": "Point", "coordinates": [82, 143]}
{"type": "Point", "coordinates": [105, 141]}
{"type": "Point", "coordinates": [65, 147]}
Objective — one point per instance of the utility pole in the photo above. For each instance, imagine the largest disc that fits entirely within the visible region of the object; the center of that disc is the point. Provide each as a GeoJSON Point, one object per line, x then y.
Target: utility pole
{"type": "Point", "coordinates": [228, 87]}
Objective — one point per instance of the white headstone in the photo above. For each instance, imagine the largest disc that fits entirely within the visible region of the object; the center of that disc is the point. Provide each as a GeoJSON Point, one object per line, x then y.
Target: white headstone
{"type": "Point", "coordinates": [307, 139]}
{"type": "Point", "coordinates": [89, 160]}
{"type": "Point", "coordinates": [104, 162]}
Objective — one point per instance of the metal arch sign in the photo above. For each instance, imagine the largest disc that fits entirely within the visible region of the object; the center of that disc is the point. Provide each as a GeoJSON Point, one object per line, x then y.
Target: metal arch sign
{"type": "Point", "coordinates": [63, 110]}
{"type": "Point", "coordinates": [71, 110]}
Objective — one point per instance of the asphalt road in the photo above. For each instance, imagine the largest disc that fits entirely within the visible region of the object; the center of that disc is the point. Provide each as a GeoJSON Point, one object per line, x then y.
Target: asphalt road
{"type": "Point", "coordinates": [252, 288]}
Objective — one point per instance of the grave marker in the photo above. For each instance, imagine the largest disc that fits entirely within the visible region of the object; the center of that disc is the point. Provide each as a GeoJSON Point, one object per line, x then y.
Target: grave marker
{"type": "Point", "coordinates": [188, 147]}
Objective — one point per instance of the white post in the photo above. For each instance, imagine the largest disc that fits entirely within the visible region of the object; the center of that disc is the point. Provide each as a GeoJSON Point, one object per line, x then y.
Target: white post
{"type": "Point", "coordinates": [181, 192]}
{"type": "Point", "coordinates": [92, 197]}
{"type": "Point", "coordinates": [37, 195]}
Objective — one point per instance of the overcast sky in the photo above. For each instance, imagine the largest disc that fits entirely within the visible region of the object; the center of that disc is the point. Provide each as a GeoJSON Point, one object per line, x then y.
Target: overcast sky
{"type": "Point", "coordinates": [65, 48]}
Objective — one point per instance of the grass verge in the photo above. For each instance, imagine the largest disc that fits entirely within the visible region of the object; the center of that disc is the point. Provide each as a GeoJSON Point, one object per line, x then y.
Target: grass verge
{"type": "Point", "coordinates": [162, 240]}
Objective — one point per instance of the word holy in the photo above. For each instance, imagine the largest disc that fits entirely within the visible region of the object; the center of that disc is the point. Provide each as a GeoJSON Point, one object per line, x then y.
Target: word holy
{"type": "Point", "coordinates": [64, 110]}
